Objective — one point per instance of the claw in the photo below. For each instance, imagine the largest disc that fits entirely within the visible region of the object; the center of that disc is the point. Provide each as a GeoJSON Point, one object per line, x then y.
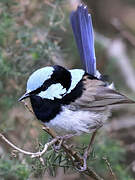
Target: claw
{"type": "Point", "coordinates": [58, 147]}
{"type": "Point", "coordinates": [61, 140]}
{"type": "Point", "coordinates": [82, 168]}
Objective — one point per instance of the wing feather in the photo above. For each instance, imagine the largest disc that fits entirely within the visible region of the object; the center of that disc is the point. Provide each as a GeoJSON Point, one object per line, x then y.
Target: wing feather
{"type": "Point", "coordinates": [97, 94]}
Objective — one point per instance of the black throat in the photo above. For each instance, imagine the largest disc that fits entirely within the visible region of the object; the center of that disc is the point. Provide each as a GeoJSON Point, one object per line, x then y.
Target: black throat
{"type": "Point", "coordinates": [46, 109]}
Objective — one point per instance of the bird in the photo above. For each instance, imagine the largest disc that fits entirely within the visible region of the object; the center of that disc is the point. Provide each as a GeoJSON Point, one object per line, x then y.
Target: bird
{"type": "Point", "coordinates": [74, 101]}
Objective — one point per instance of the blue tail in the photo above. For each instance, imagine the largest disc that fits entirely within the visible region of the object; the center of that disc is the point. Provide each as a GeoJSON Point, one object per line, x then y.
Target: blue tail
{"type": "Point", "coordinates": [83, 32]}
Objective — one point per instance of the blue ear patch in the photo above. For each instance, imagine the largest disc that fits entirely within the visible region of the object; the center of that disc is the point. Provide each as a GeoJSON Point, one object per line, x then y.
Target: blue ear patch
{"type": "Point", "coordinates": [53, 91]}
{"type": "Point", "coordinates": [58, 91]}
{"type": "Point", "coordinates": [76, 76]}
{"type": "Point", "coordinates": [37, 79]}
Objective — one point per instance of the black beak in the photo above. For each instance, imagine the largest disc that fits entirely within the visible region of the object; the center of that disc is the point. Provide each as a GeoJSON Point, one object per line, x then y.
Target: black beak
{"type": "Point", "coordinates": [26, 95]}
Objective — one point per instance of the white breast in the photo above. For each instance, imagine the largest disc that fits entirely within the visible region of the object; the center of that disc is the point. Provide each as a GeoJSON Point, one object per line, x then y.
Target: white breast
{"type": "Point", "coordinates": [77, 122]}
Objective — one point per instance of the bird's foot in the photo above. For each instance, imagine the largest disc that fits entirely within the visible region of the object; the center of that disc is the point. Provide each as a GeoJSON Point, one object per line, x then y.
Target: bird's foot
{"type": "Point", "coordinates": [83, 166]}
{"type": "Point", "coordinates": [57, 146]}
{"type": "Point", "coordinates": [87, 153]}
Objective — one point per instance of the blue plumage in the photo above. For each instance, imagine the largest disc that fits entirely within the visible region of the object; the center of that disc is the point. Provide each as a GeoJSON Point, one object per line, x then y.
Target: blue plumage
{"type": "Point", "coordinates": [83, 32]}
{"type": "Point", "coordinates": [73, 101]}
{"type": "Point", "coordinates": [38, 77]}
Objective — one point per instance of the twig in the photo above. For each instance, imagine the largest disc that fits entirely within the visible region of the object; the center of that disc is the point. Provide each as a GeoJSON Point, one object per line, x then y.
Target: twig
{"type": "Point", "coordinates": [75, 155]}
{"type": "Point", "coordinates": [117, 49]}
{"type": "Point", "coordinates": [110, 168]}
{"type": "Point", "coordinates": [62, 18]}
{"type": "Point", "coordinates": [49, 4]}
{"type": "Point", "coordinates": [122, 123]}
{"type": "Point", "coordinates": [27, 106]}
{"type": "Point", "coordinates": [32, 154]}
{"type": "Point", "coordinates": [13, 146]}
{"type": "Point", "coordinates": [70, 152]}
{"type": "Point", "coordinates": [117, 24]}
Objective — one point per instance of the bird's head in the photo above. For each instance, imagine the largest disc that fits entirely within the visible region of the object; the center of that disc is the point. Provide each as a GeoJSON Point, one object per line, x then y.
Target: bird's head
{"type": "Point", "coordinates": [48, 82]}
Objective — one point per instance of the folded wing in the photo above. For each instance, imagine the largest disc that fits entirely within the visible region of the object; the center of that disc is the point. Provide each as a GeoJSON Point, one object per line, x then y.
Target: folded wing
{"type": "Point", "coordinates": [96, 94]}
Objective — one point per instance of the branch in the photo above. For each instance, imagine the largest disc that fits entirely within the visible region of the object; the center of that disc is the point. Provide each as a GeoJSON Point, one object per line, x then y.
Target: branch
{"type": "Point", "coordinates": [28, 107]}
{"type": "Point", "coordinates": [122, 123]}
{"type": "Point", "coordinates": [119, 26]}
{"type": "Point", "coordinates": [110, 168]}
{"type": "Point", "coordinates": [73, 155]}
{"type": "Point", "coordinates": [32, 154]}
{"type": "Point", "coordinates": [117, 49]}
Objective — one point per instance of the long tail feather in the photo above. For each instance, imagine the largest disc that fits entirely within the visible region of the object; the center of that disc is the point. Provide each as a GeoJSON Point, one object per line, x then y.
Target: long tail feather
{"type": "Point", "coordinates": [83, 32]}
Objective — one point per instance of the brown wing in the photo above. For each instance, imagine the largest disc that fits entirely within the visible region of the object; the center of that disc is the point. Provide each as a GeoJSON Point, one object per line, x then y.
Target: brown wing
{"type": "Point", "coordinates": [97, 94]}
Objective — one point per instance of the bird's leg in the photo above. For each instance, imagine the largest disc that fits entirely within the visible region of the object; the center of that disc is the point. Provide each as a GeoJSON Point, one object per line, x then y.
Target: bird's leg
{"type": "Point", "coordinates": [88, 150]}
{"type": "Point", "coordinates": [57, 145]}
{"type": "Point", "coordinates": [61, 140]}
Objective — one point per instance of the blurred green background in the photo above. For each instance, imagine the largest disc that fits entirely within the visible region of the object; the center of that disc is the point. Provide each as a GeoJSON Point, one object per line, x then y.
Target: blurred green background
{"type": "Point", "coordinates": [37, 33]}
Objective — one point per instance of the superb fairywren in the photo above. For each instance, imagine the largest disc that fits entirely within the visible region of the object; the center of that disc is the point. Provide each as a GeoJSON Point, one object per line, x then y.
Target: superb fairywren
{"type": "Point", "coordinates": [73, 101]}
